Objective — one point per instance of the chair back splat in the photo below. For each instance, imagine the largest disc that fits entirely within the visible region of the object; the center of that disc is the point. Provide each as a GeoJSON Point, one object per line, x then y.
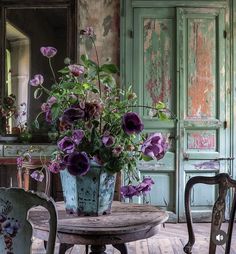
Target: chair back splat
{"type": "Point", "coordinates": [225, 182]}
{"type": "Point", "coordinates": [15, 228]}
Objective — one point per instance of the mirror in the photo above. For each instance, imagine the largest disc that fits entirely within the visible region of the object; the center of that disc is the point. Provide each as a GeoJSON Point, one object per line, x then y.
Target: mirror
{"type": "Point", "coordinates": [26, 27]}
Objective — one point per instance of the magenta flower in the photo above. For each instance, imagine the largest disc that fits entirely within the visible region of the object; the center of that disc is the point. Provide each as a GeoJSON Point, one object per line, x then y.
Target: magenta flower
{"type": "Point", "coordinates": [49, 52]}
{"type": "Point", "coordinates": [108, 140]}
{"type": "Point", "coordinates": [131, 123]}
{"type": "Point", "coordinates": [76, 70]}
{"type": "Point", "coordinates": [78, 163]}
{"type": "Point", "coordinates": [37, 80]}
{"type": "Point", "coordinates": [77, 136]}
{"type": "Point", "coordinates": [38, 175]}
{"type": "Point", "coordinates": [155, 146]}
{"type": "Point", "coordinates": [66, 145]}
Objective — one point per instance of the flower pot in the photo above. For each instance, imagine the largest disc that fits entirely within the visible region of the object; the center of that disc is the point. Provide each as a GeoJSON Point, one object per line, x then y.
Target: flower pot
{"type": "Point", "coordinates": [91, 194]}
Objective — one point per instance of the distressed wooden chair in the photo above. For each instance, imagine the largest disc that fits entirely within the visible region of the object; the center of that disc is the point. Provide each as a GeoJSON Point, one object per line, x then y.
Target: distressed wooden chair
{"type": "Point", "coordinates": [15, 228]}
{"type": "Point", "coordinates": [225, 182]}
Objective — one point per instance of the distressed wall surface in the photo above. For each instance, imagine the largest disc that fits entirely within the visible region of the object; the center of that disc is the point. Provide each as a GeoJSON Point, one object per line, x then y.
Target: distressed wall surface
{"type": "Point", "coordinates": [103, 16]}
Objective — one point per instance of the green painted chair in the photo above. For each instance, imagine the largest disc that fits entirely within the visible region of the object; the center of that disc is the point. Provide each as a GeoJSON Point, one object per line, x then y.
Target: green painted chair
{"type": "Point", "coordinates": [15, 228]}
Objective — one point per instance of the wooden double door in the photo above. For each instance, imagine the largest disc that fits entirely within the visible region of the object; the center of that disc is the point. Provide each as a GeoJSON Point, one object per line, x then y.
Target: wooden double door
{"type": "Point", "coordinates": [178, 55]}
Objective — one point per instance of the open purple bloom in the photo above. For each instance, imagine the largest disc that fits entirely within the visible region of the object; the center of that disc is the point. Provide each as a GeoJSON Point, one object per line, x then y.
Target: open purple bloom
{"type": "Point", "coordinates": [145, 185]}
{"type": "Point", "coordinates": [129, 191]}
{"type": "Point", "coordinates": [52, 100]}
{"type": "Point", "coordinates": [77, 136]}
{"type": "Point", "coordinates": [49, 52]}
{"type": "Point", "coordinates": [38, 175]}
{"type": "Point", "coordinates": [132, 123]}
{"type": "Point", "coordinates": [155, 146]}
{"type": "Point", "coordinates": [66, 145]}
{"type": "Point", "coordinates": [78, 163]}
{"type": "Point", "coordinates": [37, 80]}
{"type": "Point", "coordinates": [108, 140]}
{"type": "Point", "coordinates": [76, 69]}
{"type": "Point", "coordinates": [72, 114]}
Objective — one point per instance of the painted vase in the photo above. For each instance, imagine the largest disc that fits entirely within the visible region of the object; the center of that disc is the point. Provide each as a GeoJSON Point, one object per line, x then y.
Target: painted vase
{"type": "Point", "coordinates": [88, 195]}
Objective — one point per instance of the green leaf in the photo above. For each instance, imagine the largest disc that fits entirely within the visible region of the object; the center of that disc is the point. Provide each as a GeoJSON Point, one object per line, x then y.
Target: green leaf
{"type": "Point", "coordinates": [38, 92]}
{"type": "Point", "coordinates": [146, 158]}
{"type": "Point", "coordinates": [95, 90]}
{"type": "Point", "coordinates": [55, 109]}
{"type": "Point", "coordinates": [84, 58]}
{"type": "Point", "coordinates": [36, 123]}
{"type": "Point", "coordinates": [64, 70]}
{"type": "Point", "coordinates": [68, 85]}
{"type": "Point", "coordinates": [86, 86]}
{"type": "Point", "coordinates": [109, 68]}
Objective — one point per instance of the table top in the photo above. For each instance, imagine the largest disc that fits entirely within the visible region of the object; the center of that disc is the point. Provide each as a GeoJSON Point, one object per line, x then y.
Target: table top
{"type": "Point", "coordinates": [127, 222]}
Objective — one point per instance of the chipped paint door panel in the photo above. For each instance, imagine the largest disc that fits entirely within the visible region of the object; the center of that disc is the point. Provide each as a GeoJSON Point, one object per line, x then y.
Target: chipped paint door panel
{"type": "Point", "coordinates": [202, 100]}
{"type": "Point", "coordinates": [154, 79]}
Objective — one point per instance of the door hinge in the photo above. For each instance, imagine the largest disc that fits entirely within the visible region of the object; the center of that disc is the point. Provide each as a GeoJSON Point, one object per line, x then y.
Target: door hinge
{"type": "Point", "coordinates": [225, 34]}
{"type": "Point", "coordinates": [131, 34]}
{"type": "Point", "coordinates": [225, 124]}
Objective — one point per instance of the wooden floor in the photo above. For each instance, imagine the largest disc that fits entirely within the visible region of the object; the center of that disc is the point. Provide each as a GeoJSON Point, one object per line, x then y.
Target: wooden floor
{"type": "Point", "coordinates": [169, 240]}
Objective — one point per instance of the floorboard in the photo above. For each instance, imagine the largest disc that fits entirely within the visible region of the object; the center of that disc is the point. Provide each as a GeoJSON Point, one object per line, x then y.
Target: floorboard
{"type": "Point", "coordinates": [169, 240]}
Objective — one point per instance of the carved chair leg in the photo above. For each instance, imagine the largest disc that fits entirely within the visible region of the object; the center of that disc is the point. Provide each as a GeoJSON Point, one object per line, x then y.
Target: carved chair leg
{"type": "Point", "coordinates": [121, 247]}
{"type": "Point", "coordinates": [64, 247]}
{"type": "Point", "coordinates": [98, 249]}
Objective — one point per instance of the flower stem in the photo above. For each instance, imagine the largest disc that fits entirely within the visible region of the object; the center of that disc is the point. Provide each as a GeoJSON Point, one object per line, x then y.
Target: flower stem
{"type": "Point", "coordinates": [53, 73]}
{"type": "Point", "coordinates": [99, 81]}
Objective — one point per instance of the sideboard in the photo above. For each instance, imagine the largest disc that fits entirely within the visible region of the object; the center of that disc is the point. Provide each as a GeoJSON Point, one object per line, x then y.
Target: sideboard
{"type": "Point", "coordinates": [40, 153]}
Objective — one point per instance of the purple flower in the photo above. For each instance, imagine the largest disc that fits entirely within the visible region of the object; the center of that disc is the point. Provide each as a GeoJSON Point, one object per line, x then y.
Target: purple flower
{"type": "Point", "coordinates": [54, 167]}
{"type": "Point", "coordinates": [108, 140]}
{"type": "Point", "coordinates": [48, 116]}
{"type": "Point", "coordinates": [117, 150]}
{"type": "Point", "coordinates": [78, 163]}
{"type": "Point", "coordinates": [19, 161]}
{"type": "Point", "coordinates": [38, 175]}
{"type": "Point", "coordinates": [131, 123]}
{"type": "Point", "coordinates": [77, 136]}
{"type": "Point", "coordinates": [76, 70]}
{"type": "Point", "coordinates": [37, 80]}
{"type": "Point", "coordinates": [72, 114]}
{"type": "Point", "coordinates": [52, 100]}
{"type": "Point", "coordinates": [48, 51]}
{"type": "Point", "coordinates": [129, 191]}
{"type": "Point", "coordinates": [155, 146]}
{"type": "Point", "coordinates": [88, 31]}
{"type": "Point", "coordinates": [66, 145]}
{"type": "Point", "coordinates": [145, 185]}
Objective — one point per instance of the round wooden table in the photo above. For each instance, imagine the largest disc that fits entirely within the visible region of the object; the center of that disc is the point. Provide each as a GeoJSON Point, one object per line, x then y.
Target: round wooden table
{"type": "Point", "coordinates": [126, 223]}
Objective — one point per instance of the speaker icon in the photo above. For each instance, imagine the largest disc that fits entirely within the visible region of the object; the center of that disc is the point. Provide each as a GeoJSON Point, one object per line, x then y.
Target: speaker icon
{"type": "Point", "coordinates": [219, 237]}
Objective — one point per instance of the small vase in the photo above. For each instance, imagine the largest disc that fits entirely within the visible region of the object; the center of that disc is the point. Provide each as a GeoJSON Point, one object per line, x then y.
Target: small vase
{"type": "Point", "coordinates": [91, 194]}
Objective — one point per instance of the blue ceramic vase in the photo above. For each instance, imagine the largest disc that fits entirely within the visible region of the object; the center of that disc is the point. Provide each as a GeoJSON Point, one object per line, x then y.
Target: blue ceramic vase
{"type": "Point", "coordinates": [91, 194]}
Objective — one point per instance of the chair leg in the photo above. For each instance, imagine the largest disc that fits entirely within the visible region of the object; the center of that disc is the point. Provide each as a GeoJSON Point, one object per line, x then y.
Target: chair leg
{"type": "Point", "coordinates": [121, 247]}
{"type": "Point", "coordinates": [86, 249]}
{"type": "Point", "coordinates": [64, 247]}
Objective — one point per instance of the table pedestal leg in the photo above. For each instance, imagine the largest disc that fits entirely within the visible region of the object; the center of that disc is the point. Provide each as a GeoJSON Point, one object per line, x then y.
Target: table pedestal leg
{"type": "Point", "coordinates": [121, 247]}
{"type": "Point", "coordinates": [98, 249]}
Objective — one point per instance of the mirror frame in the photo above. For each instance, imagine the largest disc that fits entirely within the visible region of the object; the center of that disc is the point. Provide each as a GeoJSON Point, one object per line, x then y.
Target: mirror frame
{"type": "Point", "coordinates": [72, 30]}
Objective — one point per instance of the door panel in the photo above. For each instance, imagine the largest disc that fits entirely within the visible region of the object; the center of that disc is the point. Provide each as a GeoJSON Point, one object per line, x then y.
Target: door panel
{"type": "Point", "coordinates": [154, 78]}
{"type": "Point", "coordinates": [202, 102]}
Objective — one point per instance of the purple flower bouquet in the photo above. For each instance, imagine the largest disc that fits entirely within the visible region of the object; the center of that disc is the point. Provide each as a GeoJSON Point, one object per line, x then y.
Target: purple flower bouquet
{"type": "Point", "coordinates": [84, 104]}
